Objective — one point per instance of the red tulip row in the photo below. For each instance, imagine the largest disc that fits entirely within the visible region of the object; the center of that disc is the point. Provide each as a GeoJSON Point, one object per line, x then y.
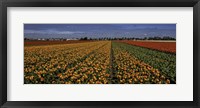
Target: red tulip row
{"type": "Point", "coordinates": [161, 46]}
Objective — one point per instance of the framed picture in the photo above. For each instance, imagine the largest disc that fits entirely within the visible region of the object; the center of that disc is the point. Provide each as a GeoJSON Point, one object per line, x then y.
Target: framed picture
{"type": "Point", "coordinates": [63, 53]}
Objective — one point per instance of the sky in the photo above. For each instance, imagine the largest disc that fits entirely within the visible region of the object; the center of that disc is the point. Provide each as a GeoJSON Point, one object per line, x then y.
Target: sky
{"type": "Point", "coordinates": [98, 30]}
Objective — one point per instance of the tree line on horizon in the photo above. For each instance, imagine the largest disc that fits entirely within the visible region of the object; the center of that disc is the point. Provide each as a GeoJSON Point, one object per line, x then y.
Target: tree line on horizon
{"type": "Point", "coordinates": [106, 38]}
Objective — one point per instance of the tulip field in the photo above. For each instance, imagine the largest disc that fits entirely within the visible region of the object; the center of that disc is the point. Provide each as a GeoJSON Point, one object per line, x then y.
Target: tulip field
{"type": "Point", "coordinates": [100, 62]}
{"type": "Point", "coordinates": [164, 46]}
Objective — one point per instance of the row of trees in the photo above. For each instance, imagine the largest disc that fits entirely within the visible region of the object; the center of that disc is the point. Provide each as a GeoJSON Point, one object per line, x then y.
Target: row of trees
{"type": "Point", "coordinates": [130, 38]}
{"type": "Point", "coordinates": [107, 38]}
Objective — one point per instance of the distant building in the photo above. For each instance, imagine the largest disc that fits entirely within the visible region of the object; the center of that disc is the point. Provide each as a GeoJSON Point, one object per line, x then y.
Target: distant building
{"type": "Point", "coordinates": [71, 39]}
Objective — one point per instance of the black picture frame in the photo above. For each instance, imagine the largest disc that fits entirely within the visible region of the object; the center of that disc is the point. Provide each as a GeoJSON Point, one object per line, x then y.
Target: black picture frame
{"type": "Point", "coordinates": [99, 3]}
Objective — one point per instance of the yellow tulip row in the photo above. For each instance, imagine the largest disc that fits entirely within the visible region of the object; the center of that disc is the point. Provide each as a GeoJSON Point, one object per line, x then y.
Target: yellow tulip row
{"type": "Point", "coordinates": [93, 70]}
{"type": "Point", "coordinates": [52, 61]}
{"type": "Point", "coordinates": [37, 54]}
{"type": "Point", "coordinates": [130, 70]}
